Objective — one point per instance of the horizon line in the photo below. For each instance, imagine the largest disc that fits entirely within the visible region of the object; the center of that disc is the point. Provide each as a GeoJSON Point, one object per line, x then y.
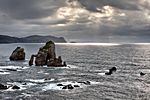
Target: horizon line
{"type": "Point", "coordinates": [105, 44]}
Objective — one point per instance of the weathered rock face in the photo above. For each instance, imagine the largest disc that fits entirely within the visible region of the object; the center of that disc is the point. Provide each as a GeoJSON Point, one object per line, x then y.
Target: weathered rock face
{"type": "Point", "coordinates": [46, 56]}
{"type": "Point", "coordinates": [41, 58]}
{"type": "Point", "coordinates": [3, 87]}
{"type": "Point", "coordinates": [17, 54]}
{"type": "Point", "coordinates": [31, 60]}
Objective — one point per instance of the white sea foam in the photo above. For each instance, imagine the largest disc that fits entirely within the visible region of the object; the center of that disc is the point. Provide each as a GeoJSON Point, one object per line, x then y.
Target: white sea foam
{"type": "Point", "coordinates": [10, 67]}
{"type": "Point", "coordinates": [21, 85]}
{"type": "Point", "coordinates": [53, 86]}
{"type": "Point", "coordinates": [26, 95]}
{"type": "Point", "coordinates": [13, 67]}
{"type": "Point", "coordinates": [25, 63]}
{"type": "Point", "coordinates": [68, 66]}
{"type": "Point", "coordinates": [10, 85]}
{"type": "Point", "coordinates": [4, 73]}
{"type": "Point", "coordinates": [42, 72]}
{"type": "Point", "coordinates": [39, 80]}
{"type": "Point", "coordinates": [72, 66]}
{"type": "Point", "coordinates": [25, 67]}
{"type": "Point", "coordinates": [101, 73]}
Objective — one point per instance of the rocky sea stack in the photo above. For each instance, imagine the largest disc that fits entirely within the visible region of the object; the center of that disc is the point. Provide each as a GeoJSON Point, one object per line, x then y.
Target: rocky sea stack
{"type": "Point", "coordinates": [47, 56]}
{"type": "Point", "coordinates": [17, 54]}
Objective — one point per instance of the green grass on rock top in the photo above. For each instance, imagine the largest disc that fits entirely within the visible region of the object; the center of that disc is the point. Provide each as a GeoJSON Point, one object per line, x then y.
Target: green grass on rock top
{"type": "Point", "coordinates": [47, 45]}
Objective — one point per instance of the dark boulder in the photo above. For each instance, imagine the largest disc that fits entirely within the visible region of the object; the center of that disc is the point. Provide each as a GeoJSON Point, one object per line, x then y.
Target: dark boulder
{"type": "Point", "coordinates": [76, 86]}
{"type": "Point", "coordinates": [108, 73]}
{"type": "Point", "coordinates": [60, 85]}
{"type": "Point", "coordinates": [31, 60]}
{"type": "Point", "coordinates": [69, 86]}
{"type": "Point", "coordinates": [24, 84]}
{"type": "Point", "coordinates": [3, 87]}
{"type": "Point", "coordinates": [15, 87]}
{"type": "Point", "coordinates": [142, 74]}
{"type": "Point", "coordinates": [113, 69]}
{"type": "Point", "coordinates": [17, 54]}
{"type": "Point", "coordinates": [65, 64]}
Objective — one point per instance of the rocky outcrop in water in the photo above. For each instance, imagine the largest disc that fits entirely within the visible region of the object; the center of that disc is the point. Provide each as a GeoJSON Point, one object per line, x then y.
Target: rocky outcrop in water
{"type": "Point", "coordinates": [142, 74]}
{"type": "Point", "coordinates": [69, 86]}
{"type": "Point", "coordinates": [113, 69]}
{"type": "Point", "coordinates": [17, 54]}
{"type": "Point", "coordinates": [46, 56]}
{"type": "Point", "coordinates": [15, 87]}
{"type": "Point", "coordinates": [73, 85]}
{"type": "Point", "coordinates": [3, 87]}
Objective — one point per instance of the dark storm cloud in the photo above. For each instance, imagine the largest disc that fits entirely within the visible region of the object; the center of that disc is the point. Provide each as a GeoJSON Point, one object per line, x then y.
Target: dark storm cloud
{"type": "Point", "coordinates": [120, 4]}
{"type": "Point", "coordinates": [75, 19]}
{"type": "Point", "coordinates": [28, 9]}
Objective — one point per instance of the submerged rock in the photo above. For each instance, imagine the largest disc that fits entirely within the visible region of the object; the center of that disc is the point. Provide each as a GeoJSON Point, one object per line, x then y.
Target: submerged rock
{"type": "Point", "coordinates": [46, 56]}
{"type": "Point", "coordinates": [108, 73]}
{"type": "Point", "coordinates": [142, 74]}
{"type": "Point", "coordinates": [3, 87]}
{"type": "Point", "coordinates": [86, 82]}
{"type": "Point", "coordinates": [76, 86]}
{"type": "Point", "coordinates": [15, 87]}
{"type": "Point", "coordinates": [69, 86]}
{"type": "Point", "coordinates": [17, 54]}
{"type": "Point", "coordinates": [11, 69]}
{"type": "Point", "coordinates": [113, 69]}
{"type": "Point", "coordinates": [60, 85]}
{"type": "Point", "coordinates": [24, 84]}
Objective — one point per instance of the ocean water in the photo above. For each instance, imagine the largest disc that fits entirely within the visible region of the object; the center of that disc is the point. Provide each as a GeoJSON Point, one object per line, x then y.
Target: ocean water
{"type": "Point", "coordinates": [86, 62]}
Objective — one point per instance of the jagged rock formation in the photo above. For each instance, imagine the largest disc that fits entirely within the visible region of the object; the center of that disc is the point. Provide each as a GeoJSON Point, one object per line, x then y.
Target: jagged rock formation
{"type": "Point", "coordinates": [17, 54]}
{"type": "Point", "coordinates": [46, 56]}
{"type": "Point", "coordinates": [3, 87]}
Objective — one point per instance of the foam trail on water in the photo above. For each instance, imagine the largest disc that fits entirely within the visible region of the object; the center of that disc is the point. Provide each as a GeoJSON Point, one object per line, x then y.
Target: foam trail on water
{"type": "Point", "coordinates": [39, 80]}
{"type": "Point", "coordinates": [4, 73]}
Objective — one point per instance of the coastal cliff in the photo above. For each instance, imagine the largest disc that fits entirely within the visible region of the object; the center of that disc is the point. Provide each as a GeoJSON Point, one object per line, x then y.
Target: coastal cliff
{"type": "Point", "coordinates": [31, 39]}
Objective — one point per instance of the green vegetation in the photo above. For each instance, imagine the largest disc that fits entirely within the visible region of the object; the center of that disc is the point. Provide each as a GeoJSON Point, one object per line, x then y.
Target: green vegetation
{"type": "Point", "coordinates": [47, 45]}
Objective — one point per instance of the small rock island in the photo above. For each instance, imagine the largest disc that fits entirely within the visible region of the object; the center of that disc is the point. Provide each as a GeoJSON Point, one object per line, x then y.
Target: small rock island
{"type": "Point", "coordinates": [17, 54]}
{"type": "Point", "coordinates": [47, 56]}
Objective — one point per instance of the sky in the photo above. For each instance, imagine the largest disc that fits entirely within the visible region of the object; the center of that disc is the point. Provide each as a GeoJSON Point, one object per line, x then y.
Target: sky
{"type": "Point", "coordinates": [78, 20]}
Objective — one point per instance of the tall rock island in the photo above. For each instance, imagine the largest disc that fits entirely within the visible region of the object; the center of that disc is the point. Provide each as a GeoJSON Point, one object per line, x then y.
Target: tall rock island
{"type": "Point", "coordinates": [47, 56]}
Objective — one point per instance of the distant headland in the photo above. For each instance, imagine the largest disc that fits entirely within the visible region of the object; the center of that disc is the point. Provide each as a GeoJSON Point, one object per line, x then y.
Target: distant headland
{"type": "Point", "coordinates": [31, 39]}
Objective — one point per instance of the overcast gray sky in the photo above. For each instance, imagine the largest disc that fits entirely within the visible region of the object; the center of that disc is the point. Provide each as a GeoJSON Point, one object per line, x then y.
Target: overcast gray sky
{"type": "Point", "coordinates": [78, 20]}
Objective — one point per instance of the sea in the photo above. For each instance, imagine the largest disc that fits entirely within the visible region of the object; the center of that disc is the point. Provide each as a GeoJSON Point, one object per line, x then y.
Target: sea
{"type": "Point", "coordinates": [85, 62]}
